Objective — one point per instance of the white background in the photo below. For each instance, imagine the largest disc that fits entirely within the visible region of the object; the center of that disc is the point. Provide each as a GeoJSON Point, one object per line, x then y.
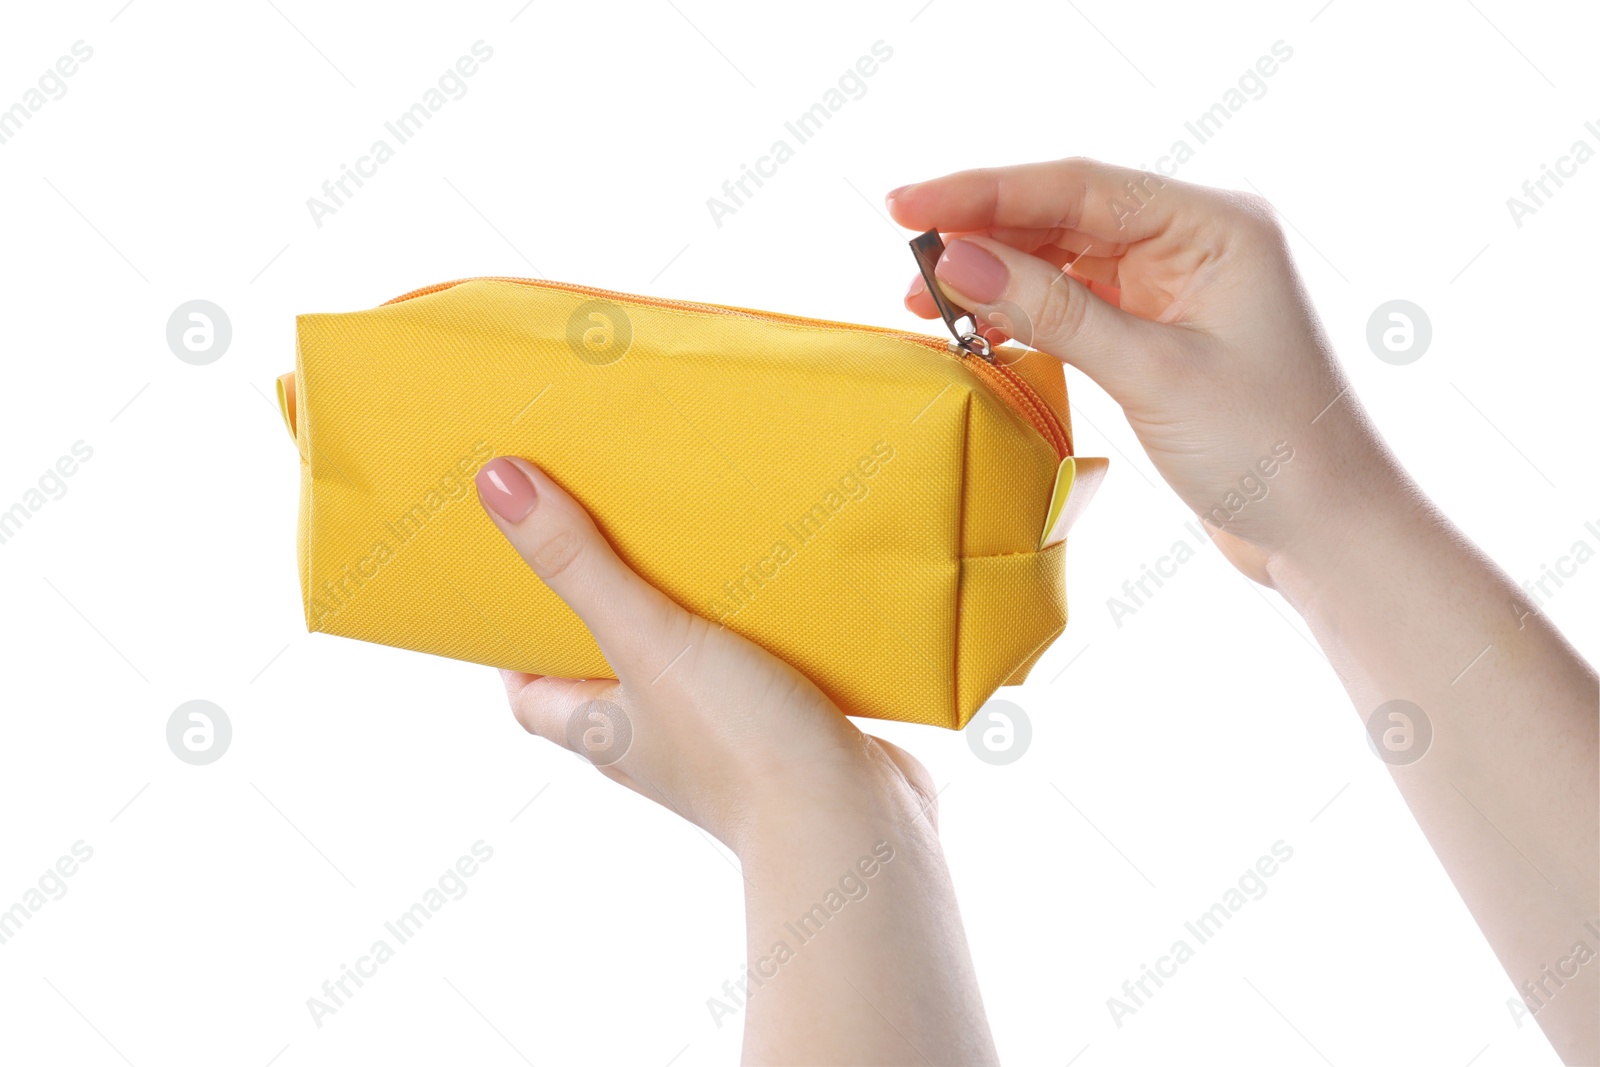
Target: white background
{"type": "Point", "coordinates": [1175, 749]}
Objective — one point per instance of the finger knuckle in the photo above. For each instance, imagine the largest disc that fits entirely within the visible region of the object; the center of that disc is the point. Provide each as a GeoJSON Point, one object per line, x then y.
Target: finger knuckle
{"type": "Point", "coordinates": [522, 710]}
{"type": "Point", "coordinates": [557, 554]}
{"type": "Point", "coordinates": [674, 638]}
{"type": "Point", "coordinates": [682, 627]}
{"type": "Point", "coordinates": [1254, 212]}
{"type": "Point", "coordinates": [1061, 312]}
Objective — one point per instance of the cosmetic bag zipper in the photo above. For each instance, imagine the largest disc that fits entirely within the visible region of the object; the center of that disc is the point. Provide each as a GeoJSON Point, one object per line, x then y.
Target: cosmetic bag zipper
{"type": "Point", "coordinates": [1012, 388]}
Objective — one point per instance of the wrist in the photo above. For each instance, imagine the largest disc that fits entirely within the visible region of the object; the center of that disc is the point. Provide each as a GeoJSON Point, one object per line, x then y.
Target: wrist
{"type": "Point", "coordinates": [1368, 534]}
{"type": "Point", "coordinates": [826, 813]}
{"type": "Point", "coordinates": [1347, 494]}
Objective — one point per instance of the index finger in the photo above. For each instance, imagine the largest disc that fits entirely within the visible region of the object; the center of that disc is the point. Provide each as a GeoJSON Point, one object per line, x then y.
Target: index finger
{"type": "Point", "coordinates": [1116, 204]}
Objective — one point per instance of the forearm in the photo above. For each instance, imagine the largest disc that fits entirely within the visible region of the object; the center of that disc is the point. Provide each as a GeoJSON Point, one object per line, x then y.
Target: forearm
{"type": "Point", "coordinates": [856, 952]}
{"type": "Point", "coordinates": [1506, 792]}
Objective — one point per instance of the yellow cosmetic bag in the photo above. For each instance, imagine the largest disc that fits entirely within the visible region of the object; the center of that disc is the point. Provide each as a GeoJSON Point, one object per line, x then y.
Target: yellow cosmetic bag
{"type": "Point", "coordinates": [884, 511]}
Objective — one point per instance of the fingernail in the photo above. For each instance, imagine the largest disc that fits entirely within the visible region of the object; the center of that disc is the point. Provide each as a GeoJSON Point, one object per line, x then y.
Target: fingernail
{"type": "Point", "coordinates": [916, 287]}
{"type": "Point", "coordinates": [505, 490]}
{"type": "Point", "coordinates": [892, 193]}
{"type": "Point", "coordinates": [972, 272]}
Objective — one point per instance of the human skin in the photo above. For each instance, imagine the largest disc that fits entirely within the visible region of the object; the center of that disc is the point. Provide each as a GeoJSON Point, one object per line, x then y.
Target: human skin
{"type": "Point", "coordinates": [1184, 304]}
{"type": "Point", "coordinates": [744, 746]}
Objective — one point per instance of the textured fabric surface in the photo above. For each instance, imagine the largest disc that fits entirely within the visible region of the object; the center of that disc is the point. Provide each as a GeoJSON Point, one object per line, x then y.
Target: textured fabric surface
{"type": "Point", "coordinates": [858, 502]}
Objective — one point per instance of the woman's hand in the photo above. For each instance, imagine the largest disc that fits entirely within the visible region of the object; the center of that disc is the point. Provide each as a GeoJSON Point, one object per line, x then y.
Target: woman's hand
{"type": "Point", "coordinates": [855, 947]}
{"type": "Point", "coordinates": [1183, 303]}
{"type": "Point", "coordinates": [698, 719]}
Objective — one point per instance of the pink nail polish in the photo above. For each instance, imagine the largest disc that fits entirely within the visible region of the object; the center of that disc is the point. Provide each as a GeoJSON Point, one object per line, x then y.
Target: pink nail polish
{"type": "Point", "coordinates": [973, 272]}
{"type": "Point", "coordinates": [888, 198]}
{"type": "Point", "coordinates": [505, 490]}
{"type": "Point", "coordinates": [917, 286]}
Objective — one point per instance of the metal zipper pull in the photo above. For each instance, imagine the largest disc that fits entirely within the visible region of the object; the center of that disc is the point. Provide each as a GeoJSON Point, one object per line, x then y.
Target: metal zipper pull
{"type": "Point", "coordinates": [927, 248]}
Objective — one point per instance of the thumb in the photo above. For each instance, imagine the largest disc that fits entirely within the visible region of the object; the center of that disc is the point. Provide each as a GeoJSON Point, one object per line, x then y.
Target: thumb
{"type": "Point", "coordinates": [630, 619]}
{"type": "Point", "coordinates": [1039, 305]}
